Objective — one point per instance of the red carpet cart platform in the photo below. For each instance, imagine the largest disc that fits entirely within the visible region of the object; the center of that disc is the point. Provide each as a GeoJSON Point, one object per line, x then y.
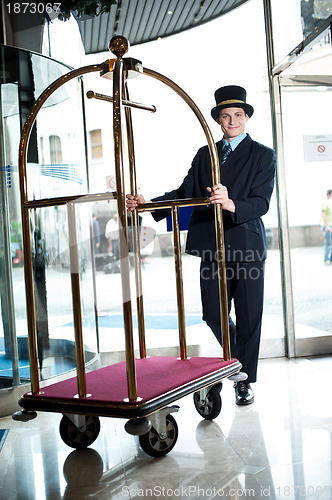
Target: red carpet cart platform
{"type": "Point", "coordinates": [139, 389]}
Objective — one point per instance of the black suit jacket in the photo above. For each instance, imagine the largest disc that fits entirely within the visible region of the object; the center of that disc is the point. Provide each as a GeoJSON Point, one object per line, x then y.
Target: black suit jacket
{"type": "Point", "coordinates": [248, 174]}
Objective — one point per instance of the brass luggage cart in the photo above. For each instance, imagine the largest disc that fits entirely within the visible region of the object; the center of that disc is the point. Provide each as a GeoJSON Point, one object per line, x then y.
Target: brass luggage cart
{"type": "Point", "coordinates": [137, 389]}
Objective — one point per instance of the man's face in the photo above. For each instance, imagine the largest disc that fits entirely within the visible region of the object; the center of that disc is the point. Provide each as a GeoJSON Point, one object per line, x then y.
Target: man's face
{"type": "Point", "coordinates": [232, 122]}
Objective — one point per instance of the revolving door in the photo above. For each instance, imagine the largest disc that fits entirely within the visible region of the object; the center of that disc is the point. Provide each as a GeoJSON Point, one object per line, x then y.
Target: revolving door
{"type": "Point", "coordinates": [53, 166]}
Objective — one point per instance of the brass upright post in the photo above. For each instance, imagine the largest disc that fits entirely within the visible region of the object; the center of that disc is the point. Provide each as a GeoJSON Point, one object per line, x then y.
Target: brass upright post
{"type": "Point", "coordinates": [76, 298]}
{"type": "Point", "coordinates": [135, 231]}
{"type": "Point", "coordinates": [179, 282]}
{"type": "Point", "coordinates": [30, 302]}
{"type": "Point", "coordinates": [222, 280]}
{"type": "Point", "coordinates": [118, 81]}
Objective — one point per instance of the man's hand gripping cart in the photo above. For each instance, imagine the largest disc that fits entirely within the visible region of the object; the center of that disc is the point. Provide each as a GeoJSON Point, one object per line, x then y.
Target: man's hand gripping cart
{"type": "Point", "coordinates": [142, 389]}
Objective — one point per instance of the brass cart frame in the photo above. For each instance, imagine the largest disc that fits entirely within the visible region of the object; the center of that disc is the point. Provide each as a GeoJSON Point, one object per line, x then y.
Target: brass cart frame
{"type": "Point", "coordinates": [133, 406]}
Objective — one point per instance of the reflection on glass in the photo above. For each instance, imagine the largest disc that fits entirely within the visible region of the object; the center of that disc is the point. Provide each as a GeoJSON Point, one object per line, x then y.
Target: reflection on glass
{"type": "Point", "coordinates": [52, 285]}
{"type": "Point", "coordinates": [56, 156]}
{"type": "Point", "coordinates": [56, 167]}
{"type": "Point", "coordinates": [312, 13]}
{"type": "Point", "coordinates": [298, 19]}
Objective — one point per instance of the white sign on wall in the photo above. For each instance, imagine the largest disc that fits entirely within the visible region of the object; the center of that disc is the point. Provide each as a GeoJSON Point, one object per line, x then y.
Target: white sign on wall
{"type": "Point", "coordinates": [317, 147]}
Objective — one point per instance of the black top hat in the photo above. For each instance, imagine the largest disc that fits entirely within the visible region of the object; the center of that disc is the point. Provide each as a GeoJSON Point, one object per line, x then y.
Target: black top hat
{"type": "Point", "coordinates": [231, 96]}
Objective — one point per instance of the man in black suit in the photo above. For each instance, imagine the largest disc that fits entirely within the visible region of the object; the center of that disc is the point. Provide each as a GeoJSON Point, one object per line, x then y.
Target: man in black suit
{"type": "Point", "coordinates": [247, 180]}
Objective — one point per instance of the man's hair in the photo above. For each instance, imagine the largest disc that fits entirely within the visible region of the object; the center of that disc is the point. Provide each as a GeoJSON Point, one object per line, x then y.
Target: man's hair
{"type": "Point", "coordinates": [329, 192]}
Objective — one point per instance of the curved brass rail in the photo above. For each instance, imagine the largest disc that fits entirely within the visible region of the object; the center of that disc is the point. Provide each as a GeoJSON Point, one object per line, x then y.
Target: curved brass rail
{"type": "Point", "coordinates": [28, 272]}
{"type": "Point", "coordinates": [36, 108]}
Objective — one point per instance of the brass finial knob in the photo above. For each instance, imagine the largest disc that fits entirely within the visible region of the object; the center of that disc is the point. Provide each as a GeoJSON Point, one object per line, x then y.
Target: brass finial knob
{"type": "Point", "coordinates": [119, 45]}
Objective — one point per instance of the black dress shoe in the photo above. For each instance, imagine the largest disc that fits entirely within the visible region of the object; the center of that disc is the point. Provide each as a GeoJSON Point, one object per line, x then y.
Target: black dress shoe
{"type": "Point", "coordinates": [243, 393]}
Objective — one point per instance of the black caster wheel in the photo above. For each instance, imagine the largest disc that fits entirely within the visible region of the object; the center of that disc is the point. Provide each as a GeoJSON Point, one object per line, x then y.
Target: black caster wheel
{"type": "Point", "coordinates": [211, 407]}
{"type": "Point", "coordinates": [74, 437]}
{"type": "Point", "coordinates": [154, 445]}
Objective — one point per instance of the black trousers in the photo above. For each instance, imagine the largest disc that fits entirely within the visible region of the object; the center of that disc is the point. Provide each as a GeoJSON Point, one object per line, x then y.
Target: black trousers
{"type": "Point", "coordinates": [245, 286]}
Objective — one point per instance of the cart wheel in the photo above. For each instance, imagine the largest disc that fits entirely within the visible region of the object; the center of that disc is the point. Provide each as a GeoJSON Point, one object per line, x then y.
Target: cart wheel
{"type": "Point", "coordinates": [75, 438]}
{"type": "Point", "coordinates": [152, 443]}
{"type": "Point", "coordinates": [211, 407]}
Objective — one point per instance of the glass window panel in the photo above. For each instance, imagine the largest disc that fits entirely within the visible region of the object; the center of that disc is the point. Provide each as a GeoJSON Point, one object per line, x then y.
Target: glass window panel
{"type": "Point", "coordinates": [99, 118]}
{"type": "Point", "coordinates": [298, 19]}
{"type": "Point", "coordinates": [60, 169]}
{"type": "Point", "coordinates": [308, 161]}
{"type": "Point", "coordinates": [96, 144]}
{"type": "Point", "coordinates": [55, 149]}
{"type": "Point", "coordinates": [313, 12]}
{"type": "Point", "coordinates": [52, 284]}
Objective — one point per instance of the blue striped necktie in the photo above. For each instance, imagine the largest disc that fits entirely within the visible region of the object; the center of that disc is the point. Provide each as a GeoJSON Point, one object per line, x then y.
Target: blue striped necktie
{"type": "Point", "coordinates": [226, 151]}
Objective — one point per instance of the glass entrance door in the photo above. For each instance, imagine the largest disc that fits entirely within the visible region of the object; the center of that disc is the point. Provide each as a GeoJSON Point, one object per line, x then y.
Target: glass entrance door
{"type": "Point", "coordinates": [306, 101]}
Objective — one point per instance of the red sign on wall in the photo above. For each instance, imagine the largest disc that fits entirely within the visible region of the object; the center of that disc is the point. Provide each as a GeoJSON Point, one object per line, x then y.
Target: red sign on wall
{"type": "Point", "coordinates": [317, 147]}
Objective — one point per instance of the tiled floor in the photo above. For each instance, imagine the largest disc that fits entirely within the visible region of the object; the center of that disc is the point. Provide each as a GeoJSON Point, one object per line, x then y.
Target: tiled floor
{"type": "Point", "coordinates": [280, 447]}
